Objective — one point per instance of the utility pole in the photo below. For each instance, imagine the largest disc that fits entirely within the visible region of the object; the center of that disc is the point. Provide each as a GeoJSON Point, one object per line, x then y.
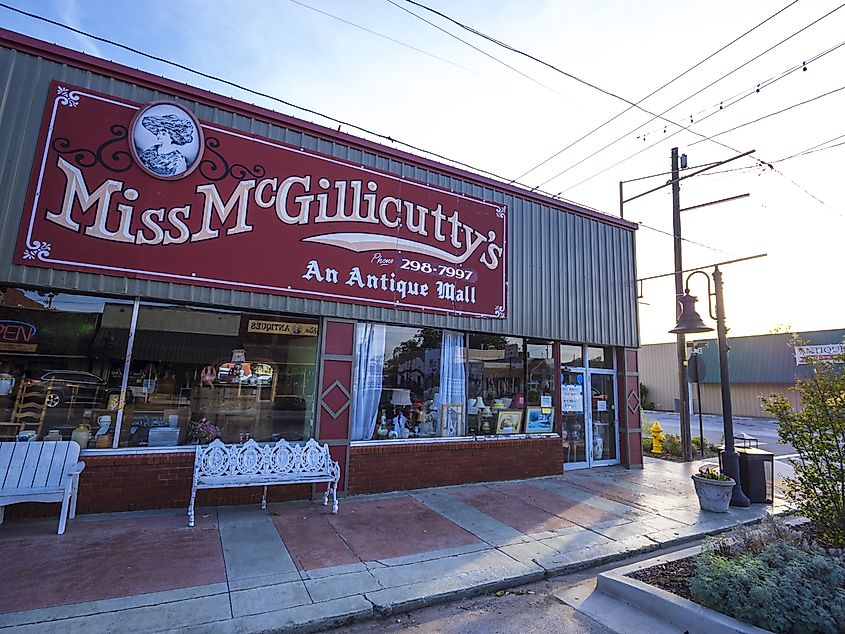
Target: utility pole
{"type": "Point", "coordinates": [683, 394]}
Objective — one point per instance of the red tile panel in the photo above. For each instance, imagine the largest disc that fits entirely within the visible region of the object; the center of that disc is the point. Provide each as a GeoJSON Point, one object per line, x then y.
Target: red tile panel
{"type": "Point", "coordinates": [516, 513]}
{"type": "Point", "coordinates": [340, 337]}
{"type": "Point", "coordinates": [105, 559]}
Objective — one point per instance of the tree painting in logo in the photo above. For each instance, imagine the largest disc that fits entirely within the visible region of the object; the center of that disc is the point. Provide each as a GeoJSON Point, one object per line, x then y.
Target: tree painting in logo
{"type": "Point", "coordinates": [166, 140]}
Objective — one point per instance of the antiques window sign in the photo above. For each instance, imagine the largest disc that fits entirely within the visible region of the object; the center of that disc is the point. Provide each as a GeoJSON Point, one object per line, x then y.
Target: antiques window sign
{"type": "Point", "coordinates": [148, 191]}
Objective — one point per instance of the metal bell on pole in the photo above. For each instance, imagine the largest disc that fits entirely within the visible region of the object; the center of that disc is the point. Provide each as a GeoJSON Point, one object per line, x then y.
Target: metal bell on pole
{"type": "Point", "coordinates": [689, 321]}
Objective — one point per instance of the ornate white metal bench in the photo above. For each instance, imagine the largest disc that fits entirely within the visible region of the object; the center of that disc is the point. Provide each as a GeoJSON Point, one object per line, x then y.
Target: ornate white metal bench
{"type": "Point", "coordinates": [219, 466]}
{"type": "Point", "coordinates": [40, 472]}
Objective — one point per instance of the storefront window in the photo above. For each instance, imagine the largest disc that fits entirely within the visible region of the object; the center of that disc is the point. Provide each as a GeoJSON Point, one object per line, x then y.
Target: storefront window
{"type": "Point", "coordinates": [496, 384]}
{"type": "Point", "coordinates": [571, 355]}
{"type": "Point", "coordinates": [410, 383]}
{"type": "Point", "coordinates": [59, 377]}
{"type": "Point", "coordinates": [540, 365]}
{"type": "Point", "coordinates": [600, 358]}
{"type": "Point", "coordinates": [199, 374]}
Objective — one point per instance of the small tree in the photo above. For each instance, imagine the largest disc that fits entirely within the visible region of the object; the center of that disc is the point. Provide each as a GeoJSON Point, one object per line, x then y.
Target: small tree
{"type": "Point", "coordinates": [818, 435]}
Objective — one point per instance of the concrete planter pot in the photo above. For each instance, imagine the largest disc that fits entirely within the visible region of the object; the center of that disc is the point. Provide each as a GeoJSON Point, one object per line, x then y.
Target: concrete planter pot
{"type": "Point", "coordinates": [713, 495]}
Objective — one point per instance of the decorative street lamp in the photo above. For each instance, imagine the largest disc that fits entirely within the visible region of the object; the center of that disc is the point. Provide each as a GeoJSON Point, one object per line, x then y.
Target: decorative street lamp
{"type": "Point", "coordinates": [690, 322]}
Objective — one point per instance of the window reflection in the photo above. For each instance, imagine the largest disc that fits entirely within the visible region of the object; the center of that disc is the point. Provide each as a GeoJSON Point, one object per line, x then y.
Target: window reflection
{"type": "Point", "coordinates": [200, 374]}
{"type": "Point", "coordinates": [496, 373]}
{"type": "Point", "coordinates": [57, 380]}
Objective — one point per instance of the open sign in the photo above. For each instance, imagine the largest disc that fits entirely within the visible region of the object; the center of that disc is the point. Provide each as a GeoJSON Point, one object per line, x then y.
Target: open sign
{"type": "Point", "coordinates": [16, 331]}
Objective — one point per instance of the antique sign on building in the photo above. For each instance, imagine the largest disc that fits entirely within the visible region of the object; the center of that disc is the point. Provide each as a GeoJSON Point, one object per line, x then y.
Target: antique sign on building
{"type": "Point", "coordinates": [150, 192]}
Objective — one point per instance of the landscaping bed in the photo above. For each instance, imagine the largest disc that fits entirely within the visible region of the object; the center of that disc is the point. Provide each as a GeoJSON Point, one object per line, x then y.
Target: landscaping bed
{"type": "Point", "coordinates": [784, 579]}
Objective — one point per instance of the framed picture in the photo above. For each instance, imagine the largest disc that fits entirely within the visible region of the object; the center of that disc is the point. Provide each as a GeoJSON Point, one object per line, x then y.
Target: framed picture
{"type": "Point", "coordinates": [539, 420]}
{"type": "Point", "coordinates": [451, 418]}
{"type": "Point", "coordinates": [509, 421]}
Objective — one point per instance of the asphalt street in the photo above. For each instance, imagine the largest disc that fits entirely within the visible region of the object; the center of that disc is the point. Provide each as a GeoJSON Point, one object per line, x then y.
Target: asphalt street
{"type": "Point", "coordinates": [763, 429]}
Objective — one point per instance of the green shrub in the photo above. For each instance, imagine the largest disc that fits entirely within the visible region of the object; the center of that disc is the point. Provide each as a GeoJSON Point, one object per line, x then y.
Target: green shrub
{"type": "Point", "coordinates": [708, 446]}
{"type": "Point", "coordinates": [672, 445]}
{"type": "Point", "coordinates": [782, 588]}
{"type": "Point", "coordinates": [818, 435]}
{"type": "Point", "coordinates": [647, 444]}
{"type": "Point", "coordinates": [645, 401]}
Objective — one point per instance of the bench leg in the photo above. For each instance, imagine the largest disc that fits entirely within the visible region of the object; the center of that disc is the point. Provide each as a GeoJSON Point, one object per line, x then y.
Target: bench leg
{"type": "Point", "coordinates": [63, 513]}
{"type": "Point", "coordinates": [74, 493]}
{"type": "Point", "coordinates": [264, 500]}
{"type": "Point", "coordinates": [334, 498]}
{"type": "Point", "coordinates": [326, 496]}
{"type": "Point", "coordinates": [191, 506]}
{"type": "Point", "coordinates": [2, 512]}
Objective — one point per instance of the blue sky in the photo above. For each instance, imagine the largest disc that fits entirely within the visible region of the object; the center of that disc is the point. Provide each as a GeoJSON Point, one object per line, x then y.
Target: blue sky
{"type": "Point", "coordinates": [461, 103]}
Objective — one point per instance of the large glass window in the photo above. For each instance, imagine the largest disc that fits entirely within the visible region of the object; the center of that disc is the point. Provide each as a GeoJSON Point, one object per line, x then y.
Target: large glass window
{"type": "Point", "coordinates": [199, 374]}
{"type": "Point", "coordinates": [195, 374]}
{"type": "Point", "coordinates": [540, 366]}
{"type": "Point", "coordinates": [410, 383]}
{"type": "Point", "coordinates": [59, 378]}
{"type": "Point", "coordinates": [496, 386]}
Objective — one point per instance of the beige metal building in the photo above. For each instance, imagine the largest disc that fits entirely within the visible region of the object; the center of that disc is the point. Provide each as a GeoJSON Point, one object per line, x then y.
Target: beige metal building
{"type": "Point", "coordinates": [759, 365]}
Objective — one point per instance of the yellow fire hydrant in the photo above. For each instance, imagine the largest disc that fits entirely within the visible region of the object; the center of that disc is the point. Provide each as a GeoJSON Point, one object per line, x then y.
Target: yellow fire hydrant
{"type": "Point", "coordinates": [657, 438]}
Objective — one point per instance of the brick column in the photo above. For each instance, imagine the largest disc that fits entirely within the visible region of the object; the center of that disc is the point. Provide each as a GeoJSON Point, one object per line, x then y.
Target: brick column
{"type": "Point", "coordinates": [630, 436]}
{"type": "Point", "coordinates": [334, 392]}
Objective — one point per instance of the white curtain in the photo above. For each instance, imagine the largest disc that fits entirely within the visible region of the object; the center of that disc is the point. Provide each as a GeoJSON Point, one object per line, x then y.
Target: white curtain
{"type": "Point", "coordinates": [369, 365]}
{"type": "Point", "coordinates": [453, 384]}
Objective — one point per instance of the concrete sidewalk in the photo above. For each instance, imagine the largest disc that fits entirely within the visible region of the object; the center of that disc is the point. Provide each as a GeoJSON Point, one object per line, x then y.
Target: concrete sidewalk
{"type": "Point", "coordinates": [298, 566]}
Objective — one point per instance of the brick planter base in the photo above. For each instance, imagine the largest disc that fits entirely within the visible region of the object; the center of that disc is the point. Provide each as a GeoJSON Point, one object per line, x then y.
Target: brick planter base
{"type": "Point", "coordinates": [385, 467]}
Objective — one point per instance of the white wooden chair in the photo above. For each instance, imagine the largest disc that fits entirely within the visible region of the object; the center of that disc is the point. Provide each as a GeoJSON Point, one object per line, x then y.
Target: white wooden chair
{"type": "Point", "coordinates": [40, 472]}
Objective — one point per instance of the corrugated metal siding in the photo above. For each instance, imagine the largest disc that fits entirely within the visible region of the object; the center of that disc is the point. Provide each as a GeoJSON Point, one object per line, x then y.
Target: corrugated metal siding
{"type": "Point", "coordinates": [745, 399]}
{"type": "Point", "coordinates": [766, 358]}
{"type": "Point", "coordinates": [658, 367]}
{"type": "Point", "coordinates": [571, 277]}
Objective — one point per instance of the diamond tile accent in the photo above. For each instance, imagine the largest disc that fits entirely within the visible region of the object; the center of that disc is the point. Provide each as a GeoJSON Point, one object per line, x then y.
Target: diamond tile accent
{"type": "Point", "coordinates": [335, 399]}
{"type": "Point", "coordinates": [633, 401]}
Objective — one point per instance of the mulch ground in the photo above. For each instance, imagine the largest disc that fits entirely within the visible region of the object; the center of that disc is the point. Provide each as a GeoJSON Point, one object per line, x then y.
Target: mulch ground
{"type": "Point", "coordinates": [673, 577]}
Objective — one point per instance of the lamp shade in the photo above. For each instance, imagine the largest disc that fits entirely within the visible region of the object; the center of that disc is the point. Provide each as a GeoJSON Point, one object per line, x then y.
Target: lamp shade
{"type": "Point", "coordinates": [689, 321]}
{"type": "Point", "coordinates": [479, 403]}
{"type": "Point", "coordinates": [401, 397]}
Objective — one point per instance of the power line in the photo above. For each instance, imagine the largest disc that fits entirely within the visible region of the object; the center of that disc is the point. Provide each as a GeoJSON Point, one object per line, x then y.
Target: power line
{"type": "Point", "coordinates": [755, 89]}
{"type": "Point", "coordinates": [482, 51]}
{"type": "Point", "coordinates": [815, 148]}
{"type": "Point", "coordinates": [654, 92]}
{"type": "Point", "coordinates": [672, 235]}
{"type": "Point", "coordinates": [257, 93]}
{"type": "Point", "coordinates": [382, 35]}
{"type": "Point", "coordinates": [676, 132]}
{"type": "Point", "coordinates": [772, 114]}
{"type": "Point", "coordinates": [524, 54]}
{"type": "Point", "coordinates": [682, 128]}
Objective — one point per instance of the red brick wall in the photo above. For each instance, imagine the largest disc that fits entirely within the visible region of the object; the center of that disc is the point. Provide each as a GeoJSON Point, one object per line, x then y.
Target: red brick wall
{"type": "Point", "coordinates": [149, 481]}
{"type": "Point", "coordinates": [163, 480]}
{"type": "Point", "coordinates": [379, 468]}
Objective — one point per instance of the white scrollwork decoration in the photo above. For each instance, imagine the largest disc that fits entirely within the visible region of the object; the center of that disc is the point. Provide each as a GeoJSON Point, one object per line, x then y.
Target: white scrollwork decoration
{"type": "Point", "coordinates": [67, 97]}
{"type": "Point", "coordinates": [499, 311]}
{"type": "Point", "coordinates": [500, 212]}
{"type": "Point", "coordinates": [38, 250]}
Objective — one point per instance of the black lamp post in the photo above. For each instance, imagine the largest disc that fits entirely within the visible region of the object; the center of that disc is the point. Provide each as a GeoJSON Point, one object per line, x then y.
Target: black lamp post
{"type": "Point", "coordinates": [690, 322]}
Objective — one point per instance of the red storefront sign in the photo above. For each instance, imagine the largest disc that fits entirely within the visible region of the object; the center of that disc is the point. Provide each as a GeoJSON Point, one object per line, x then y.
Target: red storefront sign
{"type": "Point", "coordinates": [150, 192]}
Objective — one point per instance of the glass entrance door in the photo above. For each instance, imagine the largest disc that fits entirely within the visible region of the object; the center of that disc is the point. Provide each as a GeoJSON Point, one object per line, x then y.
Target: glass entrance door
{"type": "Point", "coordinates": [574, 429]}
{"type": "Point", "coordinates": [589, 430]}
{"type": "Point", "coordinates": [604, 448]}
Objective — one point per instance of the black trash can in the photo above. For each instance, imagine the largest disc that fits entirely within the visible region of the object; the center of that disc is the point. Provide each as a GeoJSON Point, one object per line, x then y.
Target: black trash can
{"type": "Point", "coordinates": [756, 474]}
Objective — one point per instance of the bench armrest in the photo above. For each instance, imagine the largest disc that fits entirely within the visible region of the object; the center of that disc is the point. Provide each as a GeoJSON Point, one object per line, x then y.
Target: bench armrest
{"type": "Point", "coordinates": [76, 469]}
